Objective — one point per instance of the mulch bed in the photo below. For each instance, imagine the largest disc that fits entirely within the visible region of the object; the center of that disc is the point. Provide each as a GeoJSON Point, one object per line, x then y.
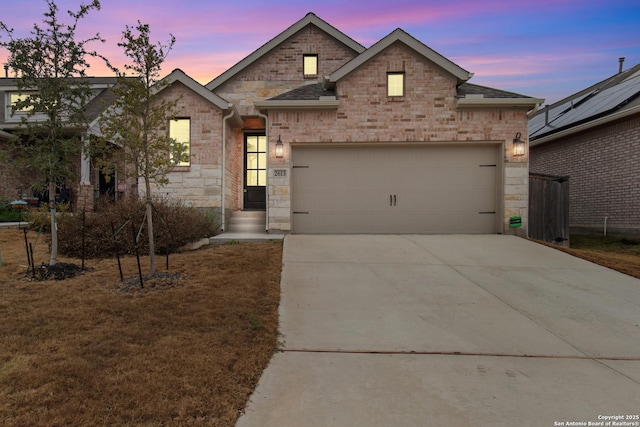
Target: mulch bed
{"type": "Point", "coordinates": [59, 271]}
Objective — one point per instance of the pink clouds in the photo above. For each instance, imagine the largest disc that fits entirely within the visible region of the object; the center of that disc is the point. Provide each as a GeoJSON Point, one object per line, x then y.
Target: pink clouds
{"type": "Point", "coordinates": [506, 45]}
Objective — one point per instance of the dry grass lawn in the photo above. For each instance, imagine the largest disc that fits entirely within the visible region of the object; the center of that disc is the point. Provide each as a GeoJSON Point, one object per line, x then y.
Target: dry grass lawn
{"type": "Point", "coordinates": [617, 253]}
{"type": "Point", "coordinates": [89, 351]}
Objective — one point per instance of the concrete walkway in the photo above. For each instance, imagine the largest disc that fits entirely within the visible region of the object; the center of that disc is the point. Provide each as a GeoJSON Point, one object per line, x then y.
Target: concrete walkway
{"type": "Point", "coordinates": [448, 331]}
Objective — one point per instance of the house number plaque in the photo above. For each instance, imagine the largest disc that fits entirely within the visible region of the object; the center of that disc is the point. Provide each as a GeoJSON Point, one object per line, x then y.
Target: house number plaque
{"type": "Point", "coordinates": [279, 172]}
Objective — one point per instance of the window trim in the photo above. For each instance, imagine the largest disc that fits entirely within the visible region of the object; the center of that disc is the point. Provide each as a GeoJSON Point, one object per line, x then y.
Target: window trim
{"type": "Point", "coordinates": [18, 115]}
{"type": "Point", "coordinates": [396, 73]}
{"type": "Point", "coordinates": [304, 57]}
{"type": "Point", "coordinates": [186, 164]}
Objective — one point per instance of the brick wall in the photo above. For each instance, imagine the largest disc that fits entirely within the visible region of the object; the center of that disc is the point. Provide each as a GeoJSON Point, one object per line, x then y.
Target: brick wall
{"type": "Point", "coordinates": [427, 113]}
{"type": "Point", "coordinates": [604, 169]}
{"type": "Point", "coordinates": [12, 185]}
{"type": "Point", "coordinates": [281, 70]}
{"type": "Point", "coordinates": [201, 182]}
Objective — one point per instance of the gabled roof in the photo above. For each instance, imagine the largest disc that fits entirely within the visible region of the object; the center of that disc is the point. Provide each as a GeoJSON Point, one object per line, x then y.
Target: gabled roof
{"type": "Point", "coordinates": [613, 98]}
{"type": "Point", "coordinates": [178, 75]}
{"type": "Point", "coordinates": [309, 19]}
{"type": "Point", "coordinates": [401, 36]}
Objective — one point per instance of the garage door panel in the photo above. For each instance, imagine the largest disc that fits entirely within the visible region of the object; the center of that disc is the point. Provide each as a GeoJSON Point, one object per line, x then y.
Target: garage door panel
{"type": "Point", "coordinates": [391, 189]}
{"type": "Point", "coordinates": [324, 200]}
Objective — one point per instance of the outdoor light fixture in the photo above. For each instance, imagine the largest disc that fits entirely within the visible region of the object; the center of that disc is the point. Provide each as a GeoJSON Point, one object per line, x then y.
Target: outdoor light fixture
{"type": "Point", "coordinates": [279, 148]}
{"type": "Point", "coordinates": [518, 146]}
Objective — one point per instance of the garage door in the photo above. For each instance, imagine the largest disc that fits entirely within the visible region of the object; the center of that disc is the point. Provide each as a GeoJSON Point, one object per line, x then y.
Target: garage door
{"type": "Point", "coordinates": [392, 189]}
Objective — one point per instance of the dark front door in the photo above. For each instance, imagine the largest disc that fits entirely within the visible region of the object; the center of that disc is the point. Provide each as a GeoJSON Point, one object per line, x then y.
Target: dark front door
{"type": "Point", "coordinates": [255, 172]}
{"type": "Point", "coordinates": [107, 186]}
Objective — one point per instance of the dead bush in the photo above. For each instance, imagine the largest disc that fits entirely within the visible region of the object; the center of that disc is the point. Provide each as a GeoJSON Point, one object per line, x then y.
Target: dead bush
{"type": "Point", "coordinates": [113, 225]}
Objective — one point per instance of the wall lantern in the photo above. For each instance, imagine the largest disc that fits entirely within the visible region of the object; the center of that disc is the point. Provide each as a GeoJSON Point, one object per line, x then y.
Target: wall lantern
{"type": "Point", "coordinates": [519, 146]}
{"type": "Point", "coordinates": [279, 148]}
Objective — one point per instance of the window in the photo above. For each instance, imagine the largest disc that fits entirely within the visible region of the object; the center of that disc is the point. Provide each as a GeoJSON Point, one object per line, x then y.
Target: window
{"type": "Point", "coordinates": [12, 98]}
{"type": "Point", "coordinates": [180, 132]}
{"type": "Point", "coordinates": [256, 160]}
{"type": "Point", "coordinates": [310, 65]}
{"type": "Point", "coordinates": [15, 97]}
{"type": "Point", "coordinates": [395, 84]}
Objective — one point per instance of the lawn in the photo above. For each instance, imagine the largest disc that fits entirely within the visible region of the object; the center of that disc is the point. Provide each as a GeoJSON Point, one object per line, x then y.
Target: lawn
{"type": "Point", "coordinates": [90, 351]}
{"type": "Point", "coordinates": [617, 253]}
{"type": "Point", "coordinates": [187, 351]}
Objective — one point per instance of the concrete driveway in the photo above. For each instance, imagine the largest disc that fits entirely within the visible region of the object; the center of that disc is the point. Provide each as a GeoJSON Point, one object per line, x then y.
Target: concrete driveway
{"type": "Point", "coordinates": [449, 331]}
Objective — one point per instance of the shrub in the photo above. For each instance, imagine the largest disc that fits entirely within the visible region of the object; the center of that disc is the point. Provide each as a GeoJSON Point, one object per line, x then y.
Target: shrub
{"type": "Point", "coordinates": [175, 225]}
{"type": "Point", "coordinates": [8, 214]}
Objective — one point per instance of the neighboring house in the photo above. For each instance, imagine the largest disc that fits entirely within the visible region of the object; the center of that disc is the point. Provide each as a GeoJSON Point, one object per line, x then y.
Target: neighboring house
{"type": "Point", "coordinates": [327, 136]}
{"type": "Point", "coordinates": [593, 137]}
{"type": "Point", "coordinates": [91, 183]}
{"type": "Point", "coordinates": [323, 135]}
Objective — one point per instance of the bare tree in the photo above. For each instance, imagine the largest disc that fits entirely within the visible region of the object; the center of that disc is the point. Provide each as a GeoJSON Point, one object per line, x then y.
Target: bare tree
{"type": "Point", "coordinates": [135, 129]}
{"type": "Point", "coordinates": [50, 66]}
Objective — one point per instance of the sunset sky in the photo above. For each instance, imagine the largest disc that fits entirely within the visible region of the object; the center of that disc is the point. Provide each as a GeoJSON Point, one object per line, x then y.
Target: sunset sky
{"type": "Point", "coordinates": [542, 48]}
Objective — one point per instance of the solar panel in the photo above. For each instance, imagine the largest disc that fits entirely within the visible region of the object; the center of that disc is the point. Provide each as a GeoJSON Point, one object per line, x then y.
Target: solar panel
{"type": "Point", "coordinates": [598, 103]}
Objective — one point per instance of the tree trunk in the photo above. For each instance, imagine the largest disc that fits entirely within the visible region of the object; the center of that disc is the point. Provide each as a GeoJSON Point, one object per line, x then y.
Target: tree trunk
{"type": "Point", "coordinates": [152, 246]}
{"type": "Point", "coordinates": [54, 226]}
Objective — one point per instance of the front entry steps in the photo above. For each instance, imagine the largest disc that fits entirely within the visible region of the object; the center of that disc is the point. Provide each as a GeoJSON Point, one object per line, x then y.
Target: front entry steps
{"type": "Point", "coordinates": [247, 222]}
{"type": "Point", "coordinates": [246, 226]}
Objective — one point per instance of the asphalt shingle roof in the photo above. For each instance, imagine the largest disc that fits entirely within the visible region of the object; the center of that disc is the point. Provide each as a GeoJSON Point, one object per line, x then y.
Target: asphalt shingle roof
{"type": "Point", "coordinates": [488, 92]}
{"type": "Point", "coordinates": [311, 92]}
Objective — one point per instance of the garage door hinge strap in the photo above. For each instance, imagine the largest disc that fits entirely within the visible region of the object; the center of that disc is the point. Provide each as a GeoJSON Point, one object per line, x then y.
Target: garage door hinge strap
{"type": "Point", "coordinates": [300, 167]}
{"type": "Point", "coordinates": [302, 213]}
{"type": "Point", "coordinates": [487, 166]}
{"type": "Point", "coordinates": [487, 213]}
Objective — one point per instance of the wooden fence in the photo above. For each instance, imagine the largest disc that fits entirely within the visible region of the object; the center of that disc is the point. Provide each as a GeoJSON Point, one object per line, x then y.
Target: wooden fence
{"type": "Point", "coordinates": [549, 208]}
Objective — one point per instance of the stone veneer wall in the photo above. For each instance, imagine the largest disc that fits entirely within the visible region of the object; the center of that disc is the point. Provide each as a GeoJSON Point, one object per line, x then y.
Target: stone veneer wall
{"type": "Point", "coordinates": [603, 166]}
{"type": "Point", "coordinates": [427, 113]}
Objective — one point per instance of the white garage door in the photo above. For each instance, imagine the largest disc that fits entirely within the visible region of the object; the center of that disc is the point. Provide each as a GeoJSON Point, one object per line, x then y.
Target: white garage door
{"type": "Point", "coordinates": [395, 189]}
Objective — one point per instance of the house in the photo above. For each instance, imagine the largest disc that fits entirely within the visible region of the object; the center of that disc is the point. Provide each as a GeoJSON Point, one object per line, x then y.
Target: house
{"type": "Point", "coordinates": [317, 134]}
{"type": "Point", "coordinates": [91, 183]}
{"type": "Point", "coordinates": [593, 137]}
{"type": "Point", "coordinates": [323, 135]}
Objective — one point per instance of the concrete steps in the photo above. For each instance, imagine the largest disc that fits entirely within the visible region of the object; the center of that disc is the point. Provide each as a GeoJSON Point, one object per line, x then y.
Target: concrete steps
{"type": "Point", "coordinates": [247, 222]}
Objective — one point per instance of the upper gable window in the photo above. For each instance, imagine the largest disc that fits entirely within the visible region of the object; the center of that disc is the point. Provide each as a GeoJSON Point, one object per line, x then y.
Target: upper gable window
{"type": "Point", "coordinates": [395, 84]}
{"type": "Point", "coordinates": [310, 65]}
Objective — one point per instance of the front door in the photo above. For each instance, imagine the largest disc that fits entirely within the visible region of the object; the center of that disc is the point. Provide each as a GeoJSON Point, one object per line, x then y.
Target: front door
{"type": "Point", "coordinates": [107, 186]}
{"type": "Point", "coordinates": [255, 171]}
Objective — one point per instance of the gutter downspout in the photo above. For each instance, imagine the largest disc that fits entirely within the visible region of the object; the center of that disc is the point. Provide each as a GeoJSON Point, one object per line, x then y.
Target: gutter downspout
{"type": "Point", "coordinates": [266, 132]}
{"type": "Point", "coordinates": [223, 191]}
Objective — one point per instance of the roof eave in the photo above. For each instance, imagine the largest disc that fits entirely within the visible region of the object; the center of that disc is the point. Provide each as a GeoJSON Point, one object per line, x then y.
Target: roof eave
{"type": "Point", "coordinates": [499, 102]}
{"type": "Point", "coordinates": [320, 104]}
{"type": "Point", "coordinates": [584, 126]}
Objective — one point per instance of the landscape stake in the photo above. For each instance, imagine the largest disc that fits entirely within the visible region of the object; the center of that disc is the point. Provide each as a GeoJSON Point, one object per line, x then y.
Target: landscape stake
{"type": "Point", "coordinates": [135, 245]}
{"type": "Point", "coordinates": [26, 245]}
{"type": "Point", "coordinates": [115, 248]}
